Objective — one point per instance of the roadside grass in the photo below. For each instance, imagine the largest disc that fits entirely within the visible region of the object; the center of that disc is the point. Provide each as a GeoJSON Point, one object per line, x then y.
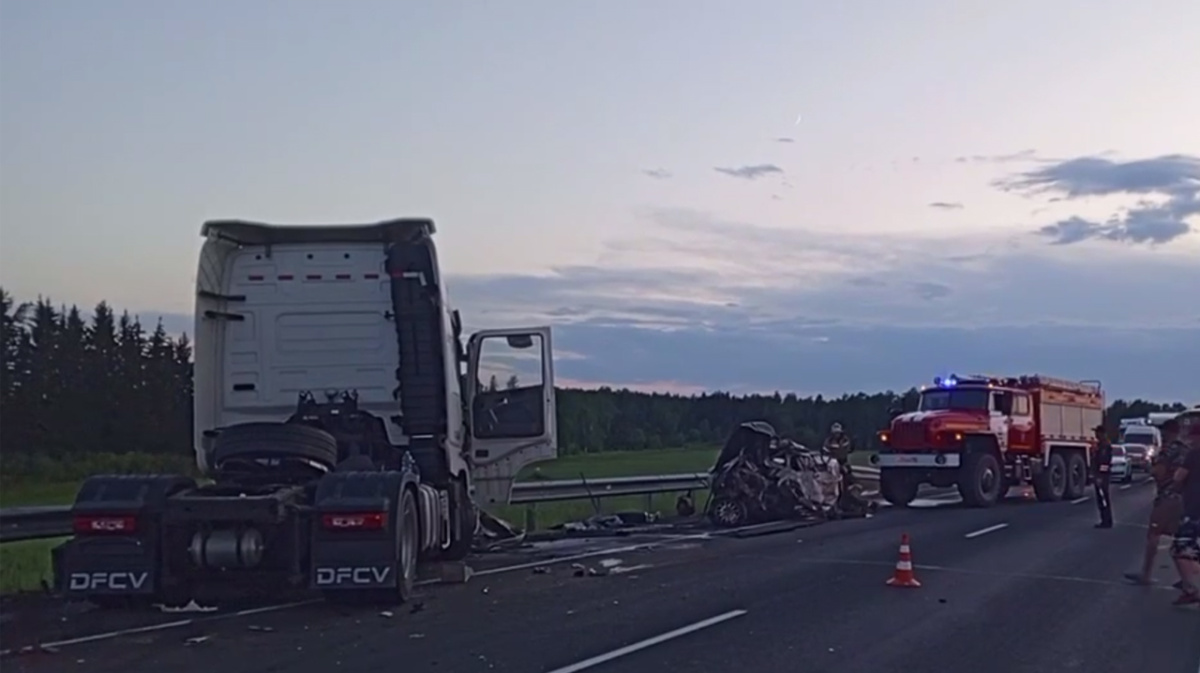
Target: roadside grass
{"type": "Point", "coordinates": [23, 565]}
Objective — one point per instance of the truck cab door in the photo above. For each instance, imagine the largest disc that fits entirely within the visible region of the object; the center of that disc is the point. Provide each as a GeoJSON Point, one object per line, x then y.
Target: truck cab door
{"type": "Point", "coordinates": [510, 399]}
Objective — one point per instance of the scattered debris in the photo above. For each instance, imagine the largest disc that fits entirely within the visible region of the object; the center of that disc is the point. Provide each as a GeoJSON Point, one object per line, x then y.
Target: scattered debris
{"type": "Point", "coordinates": [541, 570]}
{"type": "Point", "coordinates": [260, 629]}
{"type": "Point", "coordinates": [387, 614]}
{"type": "Point", "coordinates": [416, 607]}
{"type": "Point", "coordinates": [416, 635]}
{"type": "Point", "coordinates": [192, 606]}
{"type": "Point", "coordinates": [196, 640]}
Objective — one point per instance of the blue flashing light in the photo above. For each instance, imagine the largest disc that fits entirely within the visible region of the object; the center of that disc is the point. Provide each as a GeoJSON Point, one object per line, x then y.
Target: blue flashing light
{"type": "Point", "coordinates": [948, 382]}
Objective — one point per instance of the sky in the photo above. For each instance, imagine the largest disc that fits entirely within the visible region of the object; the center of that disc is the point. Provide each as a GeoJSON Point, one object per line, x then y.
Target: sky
{"type": "Point", "coordinates": [765, 195]}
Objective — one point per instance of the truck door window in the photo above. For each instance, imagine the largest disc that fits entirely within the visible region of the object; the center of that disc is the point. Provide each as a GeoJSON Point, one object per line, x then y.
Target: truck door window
{"type": "Point", "coordinates": [508, 391]}
{"type": "Point", "coordinates": [1002, 402]}
{"type": "Point", "coordinates": [1021, 406]}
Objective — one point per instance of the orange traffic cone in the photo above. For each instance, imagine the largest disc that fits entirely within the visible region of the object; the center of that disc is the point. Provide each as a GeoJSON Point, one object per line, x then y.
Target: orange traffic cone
{"type": "Point", "coordinates": [904, 577]}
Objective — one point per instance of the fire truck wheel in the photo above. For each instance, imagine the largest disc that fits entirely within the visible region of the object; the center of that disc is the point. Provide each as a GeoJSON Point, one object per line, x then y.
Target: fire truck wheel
{"type": "Point", "coordinates": [1076, 476]}
{"type": "Point", "coordinates": [981, 480]}
{"type": "Point", "coordinates": [1051, 483]}
{"type": "Point", "coordinates": [898, 488]}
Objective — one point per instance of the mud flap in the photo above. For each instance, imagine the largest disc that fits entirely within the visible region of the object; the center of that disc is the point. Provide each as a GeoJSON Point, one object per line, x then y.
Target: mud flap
{"type": "Point", "coordinates": [355, 536]}
{"type": "Point", "coordinates": [117, 548]}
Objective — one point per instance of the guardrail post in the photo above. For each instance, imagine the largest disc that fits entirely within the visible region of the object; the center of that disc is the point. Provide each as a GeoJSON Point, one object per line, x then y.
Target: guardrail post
{"type": "Point", "coordinates": [530, 517]}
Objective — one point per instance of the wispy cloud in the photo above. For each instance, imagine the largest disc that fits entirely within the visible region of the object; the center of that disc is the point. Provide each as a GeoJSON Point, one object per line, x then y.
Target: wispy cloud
{"type": "Point", "coordinates": [1023, 155]}
{"type": "Point", "coordinates": [750, 172]}
{"type": "Point", "coordinates": [657, 173]}
{"type": "Point", "coordinates": [1174, 179]}
{"type": "Point", "coordinates": [785, 139]}
{"type": "Point", "coordinates": [946, 205]}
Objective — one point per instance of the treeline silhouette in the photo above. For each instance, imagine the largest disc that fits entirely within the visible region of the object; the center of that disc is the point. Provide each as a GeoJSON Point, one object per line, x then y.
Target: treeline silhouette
{"type": "Point", "coordinates": [82, 393]}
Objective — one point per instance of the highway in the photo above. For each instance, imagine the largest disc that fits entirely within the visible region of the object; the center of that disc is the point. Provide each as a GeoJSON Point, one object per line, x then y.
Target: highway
{"type": "Point", "coordinates": [1020, 588]}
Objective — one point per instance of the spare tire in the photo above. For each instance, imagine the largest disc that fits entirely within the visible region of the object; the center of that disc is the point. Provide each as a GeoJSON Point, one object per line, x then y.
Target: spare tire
{"type": "Point", "coordinates": [275, 440]}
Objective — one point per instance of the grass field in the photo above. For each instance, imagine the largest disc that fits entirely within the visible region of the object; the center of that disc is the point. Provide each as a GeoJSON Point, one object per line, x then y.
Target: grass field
{"type": "Point", "coordinates": [24, 564]}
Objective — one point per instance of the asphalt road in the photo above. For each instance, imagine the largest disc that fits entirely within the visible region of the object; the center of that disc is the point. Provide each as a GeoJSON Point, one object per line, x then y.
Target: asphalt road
{"type": "Point", "coordinates": [1020, 588]}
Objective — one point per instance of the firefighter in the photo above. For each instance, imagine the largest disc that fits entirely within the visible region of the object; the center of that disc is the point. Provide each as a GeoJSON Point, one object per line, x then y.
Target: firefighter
{"type": "Point", "coordinates": [837, 444]}
{"type": "Point", "coordinates": [1103, 469]}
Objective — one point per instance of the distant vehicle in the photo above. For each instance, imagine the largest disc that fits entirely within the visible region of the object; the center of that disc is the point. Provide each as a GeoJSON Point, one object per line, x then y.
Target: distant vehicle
{"type": "Point", "coordinates": [1139, 455]}
{"type": "Point", "coordinates": [1142, 441]}
{"type": "Point", "coordinates": [985, 434]}
{"type": "Point", "coordinates": [340, 418]}
{"type": "Point", "coordinates": [1122, 468]}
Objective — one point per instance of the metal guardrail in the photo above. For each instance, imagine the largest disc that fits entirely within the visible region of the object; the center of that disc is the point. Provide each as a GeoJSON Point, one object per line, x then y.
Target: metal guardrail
{"type": "Point", "coordinates": [33, 523]}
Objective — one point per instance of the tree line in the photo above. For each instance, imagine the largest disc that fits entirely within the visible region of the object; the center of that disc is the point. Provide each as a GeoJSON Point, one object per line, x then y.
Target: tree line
{"type": "Point", "coordinates": [76, 386]}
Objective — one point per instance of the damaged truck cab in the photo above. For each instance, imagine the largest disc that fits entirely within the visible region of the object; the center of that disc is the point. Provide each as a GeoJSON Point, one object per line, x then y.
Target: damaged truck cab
{"type": "Point", "coordinates": [985, 434]}
{"type": "Point", "coordinates": [341, 427]}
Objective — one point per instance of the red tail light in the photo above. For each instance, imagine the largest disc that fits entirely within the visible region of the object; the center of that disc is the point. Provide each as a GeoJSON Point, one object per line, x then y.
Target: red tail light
{"type": "Point", "coordinates": [108, 524]}
{"type": "Point", "coordinates": [354, 521]}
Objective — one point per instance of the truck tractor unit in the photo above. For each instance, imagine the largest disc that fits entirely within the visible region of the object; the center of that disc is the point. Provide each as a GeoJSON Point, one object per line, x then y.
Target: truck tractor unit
{"type": "Point", "coordinates": [342, 434]}
{"type": "Point", "coordinates": [986, 434]}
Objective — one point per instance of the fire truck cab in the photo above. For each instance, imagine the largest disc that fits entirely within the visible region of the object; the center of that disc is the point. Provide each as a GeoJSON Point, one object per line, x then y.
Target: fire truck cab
{"type": "Point", "coordinates": [986, 434]}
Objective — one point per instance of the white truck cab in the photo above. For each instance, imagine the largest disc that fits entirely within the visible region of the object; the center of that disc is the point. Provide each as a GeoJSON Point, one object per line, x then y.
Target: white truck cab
{"type": "Point", "coordinates": [284, 310]}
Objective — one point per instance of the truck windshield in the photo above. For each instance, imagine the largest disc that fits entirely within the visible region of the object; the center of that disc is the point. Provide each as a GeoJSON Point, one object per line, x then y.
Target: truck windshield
{"type": "Point", "coordinates": [961, 398]}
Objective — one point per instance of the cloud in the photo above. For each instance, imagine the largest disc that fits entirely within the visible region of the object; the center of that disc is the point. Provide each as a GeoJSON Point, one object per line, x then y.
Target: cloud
{"type": "Point", "coordinates": [1174, 180]}
{"type": "Point", "coordinates": [785, 140]}
{"type": "Point", "coordinates": [1023, 155]}
{"type": "Point", "coordinates": [657, 173]}
{"type": "Point", "coordinates": [699, 300]}
{"type": "Point", "coordinates": [946, 205]}
{"type": "Point", "coordinates": [750, 172]}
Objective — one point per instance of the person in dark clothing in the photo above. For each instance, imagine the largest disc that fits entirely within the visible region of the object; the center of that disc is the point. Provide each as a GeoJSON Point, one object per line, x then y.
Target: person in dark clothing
{"type": "Point", "coordinates": [838, 445]}
{"type": "Point", "coordinates": [1168, 501]}
{"type": "Point", "coordinates": [1103, 469]}
{"type": "Point", "coordinates": [1186, 547]}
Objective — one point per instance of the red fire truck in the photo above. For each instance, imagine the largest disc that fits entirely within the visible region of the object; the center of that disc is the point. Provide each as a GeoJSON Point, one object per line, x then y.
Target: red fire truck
{"type": "Point", "coordinates": [986, 434]}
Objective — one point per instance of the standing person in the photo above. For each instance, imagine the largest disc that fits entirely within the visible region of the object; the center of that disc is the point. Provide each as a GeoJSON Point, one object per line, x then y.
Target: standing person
{"type": "Point", "coordinates": [837, 444]}
{"type": "Point", "coordinates": [1103, 469]}
{"type": "Point", "coordinates": [1168, 500]}
{"type": "Point", "coordinates": [1185, 550]}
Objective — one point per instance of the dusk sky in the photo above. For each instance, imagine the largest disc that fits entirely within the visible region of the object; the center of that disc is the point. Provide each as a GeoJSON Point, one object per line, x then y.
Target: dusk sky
{"type": "Point", "coordinates": [753, 196]}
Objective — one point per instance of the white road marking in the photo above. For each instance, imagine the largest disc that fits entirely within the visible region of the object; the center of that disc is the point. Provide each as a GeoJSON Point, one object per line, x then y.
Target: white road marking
{"type": "Point", "coordinates": [989, 529]}
{"type": "Point", "coordinates": [649, 642]}
{"type": "Point", "coordinates": [1085, 498]}
{"type": "Point", "coordinates": [107, 635]}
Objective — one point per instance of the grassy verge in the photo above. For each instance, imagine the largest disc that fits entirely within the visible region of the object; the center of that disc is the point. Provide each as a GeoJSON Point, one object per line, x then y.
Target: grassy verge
{"type": "Point", "coordinates": [23, 565]}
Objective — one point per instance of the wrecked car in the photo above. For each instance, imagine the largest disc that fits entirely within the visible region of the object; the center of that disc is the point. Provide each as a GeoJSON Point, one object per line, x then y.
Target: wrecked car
{"type": "Point", "coordinates": [760, 476]}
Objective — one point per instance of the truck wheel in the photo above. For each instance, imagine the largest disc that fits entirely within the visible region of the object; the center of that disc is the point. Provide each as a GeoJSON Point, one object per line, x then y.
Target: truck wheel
{"type": "Point", "coordinates": [1076, 476]}
{"type": "Point", "coordinates": [898, 488]}
{"type": "Point", "coordinates": [1051, 483]}
{"type": "Point", "coordinates": [276, 440]}
{"type": "Point", "coordinates": [981, 480]}
{"type": "Point", "coordinates": [465, 518]}
{"type": "Point", "coordinates": [410, 546]}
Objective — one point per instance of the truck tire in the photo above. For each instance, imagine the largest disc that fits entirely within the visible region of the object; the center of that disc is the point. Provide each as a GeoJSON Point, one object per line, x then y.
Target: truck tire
{"type": "Point", "coordinates": [981, 480]}
{"type": "Point", "coordinates": [898, 487]}
{"type": "Point", "coordinates": [1076, 476]}
{"type": "Point", "coordinates": [465, 518]}
{"type": "Point", "coordinates": [282, 440]}
{"type": "Point", "coordinates": [410, 546]}
{"type": "Point", "coordinates": [1051, 483]}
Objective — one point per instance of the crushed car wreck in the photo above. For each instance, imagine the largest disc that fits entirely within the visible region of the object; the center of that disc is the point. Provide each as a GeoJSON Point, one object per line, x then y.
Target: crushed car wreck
{"type": "Point", "coordinates": [760, 477]}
